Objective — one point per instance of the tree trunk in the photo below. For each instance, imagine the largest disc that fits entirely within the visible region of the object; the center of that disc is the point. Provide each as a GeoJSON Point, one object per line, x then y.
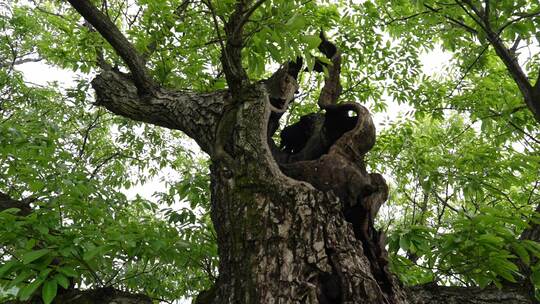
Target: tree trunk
{"type": "Point", "coordinates": [282, 240]}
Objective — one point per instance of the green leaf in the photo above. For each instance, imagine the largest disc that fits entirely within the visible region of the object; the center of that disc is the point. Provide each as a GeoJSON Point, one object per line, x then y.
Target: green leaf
{"type": "Point", "coordinates": [62, 280]}
{"type": "Point", "coordinates": [483, 281]}
{"type": "Point", "coordinates": [404, 243]}
{"type": "Point", "coordinates": [25, 274]}
{"type": "Point", "coordinates": [4, 270]}
{"type": "Point", "coordinates": [90, 254]}
{"type": "Point", "coordinates": [506, 275]}
{"type": "Point", "coordinates": [296, 22]}
{"type": "Point", "coordinates": [48, 293]}
{"type": "Point", "coordinates": [11, 210]}
{"type": "Point", "coordinates": [312, 41]}
{"type": "Point", "coordinates": [522, 253]}
{"type": "Point", "coordinates": [535, 277]}
{"type": "Point", "coordinates": [31, 256]}
{"type": "Point", "coordinates": [27, 291]}
{"type": "Point", "coordinates": [68, 271]}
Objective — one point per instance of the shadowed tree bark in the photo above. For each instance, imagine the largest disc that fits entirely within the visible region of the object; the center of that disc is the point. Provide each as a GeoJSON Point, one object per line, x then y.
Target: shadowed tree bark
{"type": "Point", "coordinates": [429, 294]}
{"type": "Point", "coordinates": [294, 223]}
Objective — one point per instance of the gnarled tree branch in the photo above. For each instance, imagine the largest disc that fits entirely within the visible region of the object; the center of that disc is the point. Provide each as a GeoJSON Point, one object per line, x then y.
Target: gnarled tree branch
{"type": "Point", "coordinates": [7, 202]}
{"type": "Point", "coordinates": [195, 114]}
{"type": "Point", "coordinates": [118, 41]}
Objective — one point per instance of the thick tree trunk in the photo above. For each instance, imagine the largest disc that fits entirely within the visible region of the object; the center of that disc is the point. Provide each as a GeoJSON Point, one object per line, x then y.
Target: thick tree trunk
{"type": "Point", "coordinates": [282, 240]}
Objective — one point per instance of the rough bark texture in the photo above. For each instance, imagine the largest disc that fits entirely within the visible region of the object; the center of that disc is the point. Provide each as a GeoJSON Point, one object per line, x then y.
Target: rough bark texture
{"type": "Point", "coordinates": [282, 240]}
{"type": "Point", "coordinates": [195, 114]}
{"type": "Point", "coordinates": [428, 294]}
{"type": "Point", "coordinates": [306, 239]}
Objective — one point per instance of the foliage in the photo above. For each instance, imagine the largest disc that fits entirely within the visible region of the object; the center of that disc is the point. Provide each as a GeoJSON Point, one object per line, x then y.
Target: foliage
{"type": "Point", "coordinates": [463, 164]}
{"type": "Point", "coordinates": [464, 200]}
{"type": "Point", "coordinates": [77, 162]}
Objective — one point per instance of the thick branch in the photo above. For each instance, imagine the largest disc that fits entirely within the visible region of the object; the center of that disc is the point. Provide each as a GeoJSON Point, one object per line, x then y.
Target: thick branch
{"type": "Point", "coordinates": [6, 64]}
{"type": "Point", "coordinates": [231, 57]}
{"type": "Point", "coordinates": [332, 87]}
{"type": "Point", "coordinates": [6, 202]}
{"type": "Point", "coordinates": [195, 114]}
{"type": "Point", "coordinates": [531, 96]}
{"type": "Point", "coordinates": [118, 41]}
{"type": "Point", "coordinates": [250, 12]}
{"type": "Point", "coordinates": [530, 93]}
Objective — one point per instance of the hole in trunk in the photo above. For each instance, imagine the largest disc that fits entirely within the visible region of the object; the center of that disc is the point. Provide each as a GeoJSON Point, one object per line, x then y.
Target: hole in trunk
{"type": "Point", "coordinates": [313, 135]}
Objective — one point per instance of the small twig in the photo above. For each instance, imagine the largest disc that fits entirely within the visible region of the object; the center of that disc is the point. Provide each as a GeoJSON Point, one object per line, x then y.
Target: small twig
{"type": "Point", "coordinates": [92, 125]}
{"type": "Point", "coordinates": [103, 163]}
{"type": "Point", "coordinates": [469, 68]}
{"type": "Point", "coordinates": [407, 17]}
{"type": "Point", "coordinates": [524, 16]}
{"type": "Point", "coordinates": [453, 20]}
{"type": "Point", "coordinates": [216, 24]}
{"type": "Point", "coordinates": [248, 14]}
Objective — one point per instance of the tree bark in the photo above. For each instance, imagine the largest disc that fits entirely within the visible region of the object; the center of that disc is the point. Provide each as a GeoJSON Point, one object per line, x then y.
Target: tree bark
{"type": "Point", "coordinates": [429, 294]}
{"type": "Point", "coordinates": [282, 240]}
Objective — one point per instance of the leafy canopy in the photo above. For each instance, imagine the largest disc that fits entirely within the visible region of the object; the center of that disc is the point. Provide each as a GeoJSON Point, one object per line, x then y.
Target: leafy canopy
{"type": "Point", "coordinates": [463, 164]}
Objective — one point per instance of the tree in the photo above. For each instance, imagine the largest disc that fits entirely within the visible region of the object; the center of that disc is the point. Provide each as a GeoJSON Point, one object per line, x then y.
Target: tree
{"type": "Point", "coordinates": [294, 221]}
